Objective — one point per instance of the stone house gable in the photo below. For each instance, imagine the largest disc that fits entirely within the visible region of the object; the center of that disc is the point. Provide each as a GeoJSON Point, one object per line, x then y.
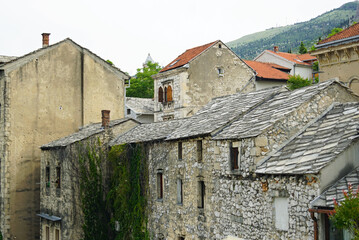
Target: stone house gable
{"type": "Point", "coordinates": [54, 90]}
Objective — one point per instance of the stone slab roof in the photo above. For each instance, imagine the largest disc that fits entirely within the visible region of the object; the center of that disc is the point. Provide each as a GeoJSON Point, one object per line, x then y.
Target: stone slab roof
{"type": "Point", "coordinates": [336, 190]}
{"type": "Point", "coordinates": [187, 56]}
{"type": "Point", "coordinates": [318, 145]}
{"type": "Point", "coordinates": [267, 70]}
{"type": "Point", "coordinates": [221, 111]}
{"type": "Point", "coordinates": [351, 31]}
{"type": "Point", "coordinates": [140, 105]}
{"type": "Point", "coordinates": [5, 59]}
{"type": "Point", "coordinates": [83, 133]}
{"type": "Point", "coordinates": [148, 132]}
{"type": "Point", "coordinates": [265, 115]}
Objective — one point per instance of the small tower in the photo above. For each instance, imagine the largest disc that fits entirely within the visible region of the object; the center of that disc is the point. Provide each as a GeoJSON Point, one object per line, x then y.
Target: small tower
{"type": "Point", "coordinates": [148, 59]}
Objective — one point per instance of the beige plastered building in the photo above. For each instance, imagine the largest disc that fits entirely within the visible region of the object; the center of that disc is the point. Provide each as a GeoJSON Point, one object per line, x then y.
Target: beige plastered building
{"type": "Point", "coordinates": [46, 95]}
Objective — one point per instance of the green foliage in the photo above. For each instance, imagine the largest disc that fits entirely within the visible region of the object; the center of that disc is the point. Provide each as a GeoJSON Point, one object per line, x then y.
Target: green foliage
{"type": "Point", "coordinates": [96, 216]}
{"type": "Point", "coordinates": [312, 48]}
{"type": "Point", "coordinates": [335, 31]}
{"type": "Point", "coordinates": [127, 195]}
{"type": "Point", "coordinates": [289, 37]}
{"type": "Point", "coordinates": [315, 66]}
{"type": "Point", "coordinates": [0, 235]}
{"type": "Point", "coordinates": [297, 81]}
{"type": "Point", "coordinates": [302, 48]}
{"type": "Point", "coordinates": [346, 214]}
{"type": "Point", "coordinates": [109, 61]}
{"type": "Point", "coordinates": [142, 84]}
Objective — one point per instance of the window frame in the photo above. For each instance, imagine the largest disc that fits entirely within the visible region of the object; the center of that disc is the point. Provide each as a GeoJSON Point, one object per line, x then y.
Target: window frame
{"type": "Point", "coordinates": [199, 151]}
{"type": "Point", "coordinates": [201, 194]}
{"type": "Point", "coordinates": [159, 185]}
{"type": "Point", "coordinates": [179, 191]}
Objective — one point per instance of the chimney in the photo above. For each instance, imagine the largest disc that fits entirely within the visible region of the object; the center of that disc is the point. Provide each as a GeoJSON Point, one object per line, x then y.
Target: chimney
{"type": "Point", "coordinates": [276, 49]}
{"type": "Point", "coordinates": [105, 118]}
{"type": "Point", "coordinates": [45, 39]}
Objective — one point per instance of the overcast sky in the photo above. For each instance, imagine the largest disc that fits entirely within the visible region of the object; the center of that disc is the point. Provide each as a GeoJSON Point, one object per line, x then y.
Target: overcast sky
{"type": "Point", "coordinates": [126, 31]}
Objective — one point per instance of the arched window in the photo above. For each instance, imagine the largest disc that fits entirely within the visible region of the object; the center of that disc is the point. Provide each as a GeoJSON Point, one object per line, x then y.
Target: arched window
{"type": "Point", "coordinates": [160, 94]}
{"type": "Point", "coordinates": [165, 99]}
{"type": "Point", "coordinates": [169, 94]}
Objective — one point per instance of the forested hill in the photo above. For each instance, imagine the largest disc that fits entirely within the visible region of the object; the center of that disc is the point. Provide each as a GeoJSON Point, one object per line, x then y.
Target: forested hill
{"type": "Point", "coordinates": [289, 37]}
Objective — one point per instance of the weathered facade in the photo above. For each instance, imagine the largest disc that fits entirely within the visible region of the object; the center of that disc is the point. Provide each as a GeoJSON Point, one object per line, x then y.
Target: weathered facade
{"type": "Point", "coordinates": [45, 95]}
{"type": "Point", "coordinates": [195, 77]}
{"type": "Point", "coordinates": [60, 209]}
{"type": "Point", "coordinates": [338, 57]}
{"type": "Point", "coordinates": [203, 179]}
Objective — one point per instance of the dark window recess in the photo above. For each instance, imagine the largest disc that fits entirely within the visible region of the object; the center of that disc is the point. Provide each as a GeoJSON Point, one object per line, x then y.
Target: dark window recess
{"type": "Point", "coordinates": [180, 238]}
{"type": "Point", "coordinates": [199, 150]}
{"type": "Point", "coordinates": [159, 185]}
{"type": "Point", "coordinates": [47, 180]}
{"type": "Point", "coordinates": [201, 193]}
{"type": "Point", "coordinates": [128, 111]}
{"type": "Point", "coordinates": [160, 94]}
{"type": "Point", "coordinates": [219, 45]}
{"type": "Point", "coordinates": [234, 158]}
{"type": "Point", "coordinates": [180, 151]}
{"type": "Point", "coordinates": [165, 97]}
{"type": "Point", "coordinates": [179, 191]}
{"type": "Point", "coordinates": [57, 234]}
{"type": "Point", "coordinates": [58, 177]}
{"type": "Point", "coordinates": [220, 71]}
{"type": "Point", "coordinates": [47, 233]}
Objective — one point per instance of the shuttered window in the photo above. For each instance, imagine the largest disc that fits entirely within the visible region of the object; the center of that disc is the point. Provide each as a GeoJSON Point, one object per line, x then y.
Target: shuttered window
{"type": "Point", "coordinates": [169, 94]}
{"type": "Point", "coordinates": [160, 94]}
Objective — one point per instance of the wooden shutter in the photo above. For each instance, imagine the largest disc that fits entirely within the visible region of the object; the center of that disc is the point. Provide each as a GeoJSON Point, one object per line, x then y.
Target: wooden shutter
{"type": "Point", "coordinates": [169, 94]}
{"type": "Point", "coordinates": [160, 94]}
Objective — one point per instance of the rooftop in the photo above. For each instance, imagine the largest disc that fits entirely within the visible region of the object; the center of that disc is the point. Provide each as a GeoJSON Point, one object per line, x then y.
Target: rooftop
{"type": "Point", "coordinates": [268, 70]}
{"type": "Point", "coordinates": [301, 59]}
{"type": "Point", "coordinates": [5, 59]}
{"type": "Point", "coordinates": [351, 31]}
{"type": "Point", "coordinates": [318, 144]}
{"type": "Point", "coordinates": [140, 105]}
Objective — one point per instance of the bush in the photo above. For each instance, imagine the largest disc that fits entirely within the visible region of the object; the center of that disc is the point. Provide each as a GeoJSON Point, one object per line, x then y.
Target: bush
{"type": "Point", "coordinates": [297, 81]}
{"type": "Point", "coordinates": [346, 214]}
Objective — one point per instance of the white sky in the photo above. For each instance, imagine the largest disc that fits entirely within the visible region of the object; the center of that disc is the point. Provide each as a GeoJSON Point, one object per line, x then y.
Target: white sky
{"type": "Point", "coordinates": [126, 31]}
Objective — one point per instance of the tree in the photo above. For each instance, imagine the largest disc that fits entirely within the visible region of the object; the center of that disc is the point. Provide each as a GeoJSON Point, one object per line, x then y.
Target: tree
{"type": "Point", "coordinates": [302, 48]}
{"type": "Point", "coordinates": [142, 83]}
{"type": "Point", "coordinates": [346, 214]}
{"type": "Point", "coordinates": [297, 81]}
{"type": "Point", "coordinates": [335, 31]}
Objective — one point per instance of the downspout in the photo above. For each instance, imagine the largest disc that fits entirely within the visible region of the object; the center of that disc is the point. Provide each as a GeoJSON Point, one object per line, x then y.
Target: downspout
{"type": "Point", "coordinates": [315, 224]}
{"type": "Point", "coordinates": [82, 89]}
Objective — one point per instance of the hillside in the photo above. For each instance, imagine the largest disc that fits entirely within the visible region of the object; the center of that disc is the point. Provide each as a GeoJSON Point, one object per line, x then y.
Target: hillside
{"type": "Point", "coordinates": [289, 37]}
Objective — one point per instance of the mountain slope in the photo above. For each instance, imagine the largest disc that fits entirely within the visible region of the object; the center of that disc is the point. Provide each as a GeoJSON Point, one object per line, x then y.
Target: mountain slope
{"type": "Point", "coordinates": [289, 37]}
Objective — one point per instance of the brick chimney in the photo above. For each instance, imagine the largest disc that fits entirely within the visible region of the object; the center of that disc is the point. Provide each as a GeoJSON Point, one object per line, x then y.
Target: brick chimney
{"type": "Point", "coordinates": [45, 39]}
{"type": "Point", "coordinates": [276, 49]}
{"type": "Point", "coordinates": [105, 118]}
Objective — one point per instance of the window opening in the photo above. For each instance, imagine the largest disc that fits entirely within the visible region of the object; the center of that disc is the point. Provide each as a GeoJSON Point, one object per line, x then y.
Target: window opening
{"type": "Point", "coordinates": [234, 158]}
{"type": "Point", "coordinates": [128, 111]}
{"type": "Point", "coordinates": [174, 62]}
{"type": "Point", "coordinates": [219, 45]}
{"type": "Point", "coordinates": [169, 94]}
{"type": "Point", "coordinates": [180, 151]}
{"type": "Point", "coordinates": [47, 233]}
{"type": "Point", "coordinates": [179, 191]}
{"type": "Point", "coordinates": [201, 193]}
{"type": "Point", "coordinates": [159, 185]}
{"type": "Point", "coordinates": [57, 234]}
{"type": "Point", "coordinates": [199, 150]}
{"type": "Point", "coordinates": [180, 238]}
{"type": "Point", "coordinates": [47, 180]}
{"type": "Point", "coordinates": [160, 94]}
{"type": "Point", "coordinates": [58, 177]}
{"type": "Point", "coordinates": [220, 71]}
{"type": "Point", "coordinates": [165, 97]}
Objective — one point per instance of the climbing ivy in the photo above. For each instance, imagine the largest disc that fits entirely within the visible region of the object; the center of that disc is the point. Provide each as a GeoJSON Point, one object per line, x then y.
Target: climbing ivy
{"type": "Point", "coordinates": [93, 201]}
{"type": "Point", "coordinates": [127, 195]}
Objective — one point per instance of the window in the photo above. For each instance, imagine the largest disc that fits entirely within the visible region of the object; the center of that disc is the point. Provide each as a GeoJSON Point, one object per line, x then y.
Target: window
{"type": "Point", "coordinates": [47, 180]}
{"type": "Point", "coordinates": [281, 213]}
{"type": "Point", "coordinates": [219, 45]}
{"type": "Point", "coordinates": [47, 232]}
{"type": "Point", "coordinates": [169, 94]}
{"type": "Point", "coordinates": [234, 157]}
{"type": "Point", "coordinates": [181, 238]}
{"type": "Point", "coordinates": [165, 97]}
{"type": "Point", "coordinates": [220, 71]}
{"type": "Point", "coordinates": [180, 151]}
{"type": "Point", "coordinates": [179, 191]}
{"type": "Point", "coordinates": [160, 94]}
{"type": "Point", "coordinates": [159, 185]}
{"type": "Point", "coordinates": [199, 150]}
{"type": "Point", "coordinates": [58, 177]}
{"type": "Point", "coordinates": [128, 111]}
{"type": "Point", "coordinates": [57, 234]}
{"type": "Point", "coordinates": [201, 193]}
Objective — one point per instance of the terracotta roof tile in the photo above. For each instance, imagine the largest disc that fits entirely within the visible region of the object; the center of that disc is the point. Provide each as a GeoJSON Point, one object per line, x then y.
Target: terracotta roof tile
{"type": "Point", "coordinates": [346, 33]}
{"type": "Point", "coordinates": [187, 56]}
{"type": "Point", "coordinates": [268, 70]}
{"type": "Point", "coordinates": [296, 58]}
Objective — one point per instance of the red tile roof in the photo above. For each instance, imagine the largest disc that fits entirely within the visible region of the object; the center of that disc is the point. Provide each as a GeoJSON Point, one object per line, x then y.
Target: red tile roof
{"type": "Point", "coordinates": [296, 58]}
{"type": "Point", "coordinates": [268, 70]}
{"type": "Point", "coordinates": [187, 56]}
{"type": "Point", "coordinates": [346, 33]}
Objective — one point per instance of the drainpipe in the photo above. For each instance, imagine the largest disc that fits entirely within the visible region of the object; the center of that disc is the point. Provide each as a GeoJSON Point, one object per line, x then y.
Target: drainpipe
{"type": "Point", "coordinates": [315, 220]}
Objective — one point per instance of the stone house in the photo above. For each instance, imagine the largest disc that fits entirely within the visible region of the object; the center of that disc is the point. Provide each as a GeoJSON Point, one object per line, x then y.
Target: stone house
{"type": "Point", "coordinates": [268, 74]}
{"type": "Point", "coordinates": [204, 180]}
{"type": "Point", "coordinates": [140, 109]}
{"type": "Point", "coordinates": [196, 76]}
{"type": "Point", "coordinates": [338, 56]}
{"type": "Point", "coordinates": [45, 95]}
{"type": "Point", "coordinates": [299, 64]}
{"type": "Point", "coordinates": [60, 208]}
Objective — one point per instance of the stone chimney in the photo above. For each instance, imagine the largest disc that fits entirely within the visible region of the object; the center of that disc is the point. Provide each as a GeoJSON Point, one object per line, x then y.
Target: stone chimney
{"type": "Point", "coordinates": [276, 49]}
{"type": "Point", "coordinates": [45, 39]}
{"type": "Point", "coordinates": [105, 118]}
